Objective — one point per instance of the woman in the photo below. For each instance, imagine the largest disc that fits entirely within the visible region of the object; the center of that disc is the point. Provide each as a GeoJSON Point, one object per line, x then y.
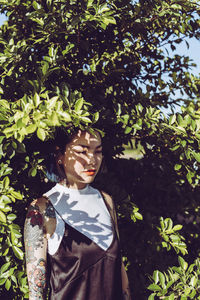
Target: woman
{"type": "Point", "coordinates": [72, 231]}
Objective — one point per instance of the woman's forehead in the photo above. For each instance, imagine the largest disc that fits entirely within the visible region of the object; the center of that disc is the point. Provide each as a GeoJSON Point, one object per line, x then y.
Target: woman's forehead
{"type": "Point", "coordinates": [86, 138]}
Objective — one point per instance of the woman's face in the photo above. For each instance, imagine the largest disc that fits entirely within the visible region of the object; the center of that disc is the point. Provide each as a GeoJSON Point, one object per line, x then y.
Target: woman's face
{"type": "Point", "coordinates": [82, 159]}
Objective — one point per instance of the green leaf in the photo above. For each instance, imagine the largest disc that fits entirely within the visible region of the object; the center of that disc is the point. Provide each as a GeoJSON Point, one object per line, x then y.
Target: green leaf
{"type": "Point", "coordinates": [162, 279]}
{"type": "Point", "coordinates": [66, 117]}
{"type": "Point", "coordinates": [155, 276]}
{"type": "Point", "coordinates": [196, 156]}
{"type": "Point", "coordinates": [171, 297]}
{"type": "Point", "coordinates": [5, 267]}
{"type": "Point", "coordinates": [89, 3]}
{"type": "Point", "coordinates": [78, 105]}
{"type": "Point", "coordinates": [128, 130]}
{"type": "Point", "coordinates": [16, 195]}
{"type": "Point", "coordinates": [85, 120]}
{"type": "Point", "coordinates": [11, 217]}
{"type": "Point", "coordinates": [2, 217]}
{"type": "Point", "coordinates": [54, 119]}
{"type": "Point", "coordinates": [154, 287]}
{"type": "Point", "coordinates": [193, 281]}
{"type": "Point", "coordinates": [14, 279]}
{"type": "Point", "coordinates": [2, 281]}
{"type": "Point", "coordinates": [182, 263]}
{"type": "Point", "coordinates": [96, 116]}
{"type": "Point", "coordinates": [31, 128]}
{"type": "Point", "coordinates": [152, 296]}
{"type": "Point", "coordinates": [172, 119]}
{"type": "Point", "coordinates": [41, 134]}
{"type": "Point", "coordinates": [36, 5]}
{"type": "Point", "coordinates": [18, 252]}
{"type": "Point", "coordinates": [177, 227]}
{"type": "Point", "coordinates": [36, 100]}
{"type": "Point", "coordinates": [6, 182]}
{"type": "Point", "coordinates": [138, 216]}
{"type": "Point", "coordinates": [177, 167]}
{"type": "Point", "coordinates": [8, 284]}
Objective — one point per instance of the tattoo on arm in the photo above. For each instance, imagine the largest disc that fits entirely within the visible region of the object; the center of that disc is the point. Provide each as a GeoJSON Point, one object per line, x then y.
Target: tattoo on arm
{"type": "Point", "coordinates": [49, 211]}
{"type": "Point", "coordinates": [37, 280]}
{"type": "Point", "coordinates": [34, 238]}
{"type": "Point", "coordinates": [33, 232]}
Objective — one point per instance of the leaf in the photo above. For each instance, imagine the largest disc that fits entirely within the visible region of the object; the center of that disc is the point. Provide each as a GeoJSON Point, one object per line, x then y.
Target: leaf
{"type": "Point", "coordinates": [85, 120]}
{"type": "Point", "coordinates": [127, 130]}
{"type": "Point", "coordinates": [13, 278]}
{"type": "Point", "coordinates": [138, 216]}
{"type": "Point", "coordinates": [154, 287]}
{"type": "Point", "coordinates": [172, 119]}
{"type": "Point", "coordinates": [177, 227]}
{"type": "Point", "coordinates": [17, 195]}
{"type": "Point", "coordinates": [31, 128]}
{"type": "Point", "coordinates": [78, 105]}
{"type": "Point", "coordinates": [182, 263]}
{"type": "Point", "coordinates": [171, 297]}
{"type": "Point", "coordinates": [177, 167]}
{"type": "Point", "coordinates": [193, 281]}
{"type": "Point", "coordinates": [41, 134]}
{"type": "Point", "coordinates": [8, 284]}
{"type": "Point", "coordinates": [36, 100]}
{"type": "Point", "coordinates": [11, 217]}
{"type": "Point", "coordinates": [18, 252]}
{"type": "Point", "coordinates": [54, 119]}
{"type": "Point", "coordinates": [89, 3]}
{"type": "Point", "coordinates": [36, 5]}
{"type": "Point", "coordinates": [196, 156]}
{"type": "Point", "coordinates": [96, 116]}
{"type": "Point", "coordinates": [2, 281]}
{"type": "Point", "coordinates": [162, 279]}
{"type": "Point", "coordinates": [151, 297]}
{"type": "Point", "coordinates": [2, 217]}
{"type": "Point", "coordinates": [66, 117]}
{"type": "Point", "coordinates": [5, 267]}
{"type": "Point", "coordinates": [155, 276]}
{"type": "Point", "coordinates": [6, 182]}
{"type": "Point", "coordinates": [108, 20]}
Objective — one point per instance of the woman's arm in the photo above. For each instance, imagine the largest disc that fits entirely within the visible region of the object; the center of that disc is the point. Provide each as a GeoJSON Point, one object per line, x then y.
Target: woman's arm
{"type": "Point", "coordinates": [125, 284]}
{"type": "Point", "coordinates": [36, 251]}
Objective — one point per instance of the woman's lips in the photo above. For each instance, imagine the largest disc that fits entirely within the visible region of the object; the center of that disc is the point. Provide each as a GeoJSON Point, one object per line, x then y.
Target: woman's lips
{"type": "Point", "coordinates": [90, 172]}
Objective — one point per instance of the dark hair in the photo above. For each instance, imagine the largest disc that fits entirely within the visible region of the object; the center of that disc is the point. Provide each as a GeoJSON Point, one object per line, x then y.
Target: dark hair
{"type": "Point", "coordinates": [62, 138]}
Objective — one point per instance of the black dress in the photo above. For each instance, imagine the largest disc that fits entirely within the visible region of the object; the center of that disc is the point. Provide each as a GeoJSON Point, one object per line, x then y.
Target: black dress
{"type": "Point", "coordinates": [81, 270]}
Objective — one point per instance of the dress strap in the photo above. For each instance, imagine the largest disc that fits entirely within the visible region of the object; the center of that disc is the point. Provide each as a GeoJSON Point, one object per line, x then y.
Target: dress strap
{"type": "Point", "coordinates": [111, 208]}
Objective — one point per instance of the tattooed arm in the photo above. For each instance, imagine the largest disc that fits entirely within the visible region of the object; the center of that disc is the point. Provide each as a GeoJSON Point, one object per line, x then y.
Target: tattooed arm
{"type": "Point", "coordinates": [125, 284]}
{"type": "Point", "coordinates": [35, 238]}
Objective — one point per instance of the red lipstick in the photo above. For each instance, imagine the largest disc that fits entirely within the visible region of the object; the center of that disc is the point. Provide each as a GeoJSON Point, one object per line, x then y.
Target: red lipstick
{"type": "Point", "coordinates": [90, 172]}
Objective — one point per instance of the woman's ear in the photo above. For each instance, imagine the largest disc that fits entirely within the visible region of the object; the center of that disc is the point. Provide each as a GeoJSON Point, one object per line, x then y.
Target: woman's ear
{"type": "Point", "coordinates": [59, 163]}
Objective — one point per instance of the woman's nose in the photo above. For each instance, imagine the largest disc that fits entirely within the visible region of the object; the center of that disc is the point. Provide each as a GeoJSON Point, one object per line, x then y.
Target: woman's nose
{"type": "Point", "coordinates": [91, 158]}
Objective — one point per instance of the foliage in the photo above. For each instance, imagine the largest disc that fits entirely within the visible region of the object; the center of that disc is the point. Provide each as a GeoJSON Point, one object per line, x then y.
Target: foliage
{"type": "Point", "coordinates": [106, 65]}
{"type": "Point", "coordinates": [180, 282]}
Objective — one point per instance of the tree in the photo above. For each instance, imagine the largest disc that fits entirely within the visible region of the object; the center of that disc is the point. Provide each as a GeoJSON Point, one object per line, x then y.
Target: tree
{"type": "Point", "coordinates": [103, 64]}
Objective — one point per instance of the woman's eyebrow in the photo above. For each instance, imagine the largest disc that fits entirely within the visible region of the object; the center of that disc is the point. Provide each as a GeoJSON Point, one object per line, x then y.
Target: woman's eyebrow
{"type": "Point", "coordinates": [85, 146]}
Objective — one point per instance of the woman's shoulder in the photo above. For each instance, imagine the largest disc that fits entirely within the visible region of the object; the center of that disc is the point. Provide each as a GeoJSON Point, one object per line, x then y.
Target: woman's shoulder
{"type": "Point", "coordinates": [41, 212]}
{"type": "Point", "coordinates": [43, 207]}
{"type": "Point", "coordinates": [39, 204]}
{"type": "Point", "coordinates": [107, 198]}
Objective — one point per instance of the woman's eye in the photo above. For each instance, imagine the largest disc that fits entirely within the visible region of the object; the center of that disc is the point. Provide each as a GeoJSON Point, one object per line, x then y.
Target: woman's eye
{"type": "Point", "coordinates": [81, 152]}
{"type": "Point", "coordinates": [99, 151]}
